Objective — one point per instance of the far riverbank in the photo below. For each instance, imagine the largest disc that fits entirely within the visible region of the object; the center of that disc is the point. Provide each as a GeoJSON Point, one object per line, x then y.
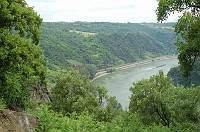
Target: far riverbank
{"type": "Point", "coordinates": [102, 73]}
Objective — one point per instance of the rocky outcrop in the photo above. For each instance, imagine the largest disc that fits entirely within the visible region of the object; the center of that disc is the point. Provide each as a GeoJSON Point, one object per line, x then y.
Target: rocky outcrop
{"type": "Point", "coordinates": [39, 92]}
{"type": "Point", "coordinates": [12, 121]}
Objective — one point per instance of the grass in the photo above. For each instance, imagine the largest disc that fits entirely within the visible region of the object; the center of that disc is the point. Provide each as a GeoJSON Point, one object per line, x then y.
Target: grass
{"type": "Point", "coordinates": [85, 34]}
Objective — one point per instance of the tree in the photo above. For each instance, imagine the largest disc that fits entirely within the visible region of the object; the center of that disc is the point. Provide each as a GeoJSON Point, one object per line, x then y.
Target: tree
{"type": "Point", "coordinates": [147, 100]}
{"type": "Point", "coordinates": [88, 70]}
{"type": "Point", "coordinates": [21, 59]}
{"type": "Point", "coordinates": [73, 94]}
{"type": "Point", "coordinates": [193, 79]}
{"type": "Point", "coordinates": [157, 101]}
{"type": "Point", "coordinates": [187, 27]}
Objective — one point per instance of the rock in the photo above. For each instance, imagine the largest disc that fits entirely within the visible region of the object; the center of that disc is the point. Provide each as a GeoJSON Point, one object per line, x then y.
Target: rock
{"type": "Point", "coordinates": [12, 121]}
{"type": "Point", "coordinates": [39, 92]}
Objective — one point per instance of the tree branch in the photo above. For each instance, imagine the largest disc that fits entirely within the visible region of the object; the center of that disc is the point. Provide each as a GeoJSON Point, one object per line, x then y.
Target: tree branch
{"type": "Point", "coordinates": [164, 114]}
{"type": "Point", "coordinates": [165, 123]}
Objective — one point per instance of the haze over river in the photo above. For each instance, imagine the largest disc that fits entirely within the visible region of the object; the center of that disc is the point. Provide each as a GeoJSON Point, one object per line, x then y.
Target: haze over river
{"type": "Point", "coordinates": [119, 82]}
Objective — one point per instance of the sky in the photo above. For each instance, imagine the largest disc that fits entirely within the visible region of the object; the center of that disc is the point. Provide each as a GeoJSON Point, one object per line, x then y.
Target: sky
{"type": "Point", "coordinates": [123, 11]}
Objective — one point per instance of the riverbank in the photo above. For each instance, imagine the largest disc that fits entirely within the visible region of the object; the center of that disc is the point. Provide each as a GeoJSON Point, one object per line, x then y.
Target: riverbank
{"type": "Point", "coordinates": [102, 73]}
{"type": "Point", "coordinates": [118, 83]}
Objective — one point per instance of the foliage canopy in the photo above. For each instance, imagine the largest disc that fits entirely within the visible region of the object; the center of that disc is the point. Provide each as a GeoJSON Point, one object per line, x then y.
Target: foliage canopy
{"type": "Point", "coordinates": [21, 59]}
{"type": "Point", "coordinates": [187, 27]}
{"type": "Point", "coordinates": [75, 94]}
{"type": "Point", "coordinates": [158, 101]}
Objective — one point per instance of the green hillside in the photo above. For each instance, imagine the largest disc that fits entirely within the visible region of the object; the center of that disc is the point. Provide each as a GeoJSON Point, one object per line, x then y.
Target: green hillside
{"type": "Point", "coordinates": [104, 44]}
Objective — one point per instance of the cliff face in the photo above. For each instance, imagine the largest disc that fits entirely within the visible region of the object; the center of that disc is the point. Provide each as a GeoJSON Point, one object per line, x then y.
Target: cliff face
{"type": "Point", "coordinates": [11, 121]}
{"type": "Point", "coordinates": [39, 92]}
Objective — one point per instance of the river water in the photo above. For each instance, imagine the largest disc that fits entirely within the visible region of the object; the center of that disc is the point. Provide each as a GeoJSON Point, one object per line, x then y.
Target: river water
{"type": "Point", "coordinates": [119, 82]}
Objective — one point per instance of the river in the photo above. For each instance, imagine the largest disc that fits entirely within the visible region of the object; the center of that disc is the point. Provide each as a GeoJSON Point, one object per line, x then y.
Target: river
{"type": "Point", "coordinates": [119, 82]}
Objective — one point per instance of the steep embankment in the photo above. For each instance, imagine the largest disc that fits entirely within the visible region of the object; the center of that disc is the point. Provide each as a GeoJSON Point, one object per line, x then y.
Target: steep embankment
{"type": "Point", "coordinates": [104, 44]}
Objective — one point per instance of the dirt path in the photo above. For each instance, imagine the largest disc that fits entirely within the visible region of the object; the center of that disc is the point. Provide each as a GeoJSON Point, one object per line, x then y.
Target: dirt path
{"type": "Point", "coordinates": [130, 65]}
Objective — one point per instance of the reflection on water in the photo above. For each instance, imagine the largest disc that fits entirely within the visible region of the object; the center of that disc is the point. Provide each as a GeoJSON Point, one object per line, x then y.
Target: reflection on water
{"type": "Point", "coordinates": [119, 82]}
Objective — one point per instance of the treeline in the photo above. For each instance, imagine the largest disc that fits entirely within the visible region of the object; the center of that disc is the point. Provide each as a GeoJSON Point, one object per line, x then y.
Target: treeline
{"type": "Point", "coordinates": [104, 44]}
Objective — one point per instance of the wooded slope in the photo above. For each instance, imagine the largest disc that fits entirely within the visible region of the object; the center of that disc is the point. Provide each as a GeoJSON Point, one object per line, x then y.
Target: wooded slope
{"type": "Point", "coordinates": [104, 44]}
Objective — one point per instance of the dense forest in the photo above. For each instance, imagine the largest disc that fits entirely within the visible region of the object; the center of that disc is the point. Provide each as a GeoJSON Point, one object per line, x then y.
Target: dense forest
{"type": "Point", "coordinates": [75, 105]}
{"type": "Point", "coordinates": [104, 44]}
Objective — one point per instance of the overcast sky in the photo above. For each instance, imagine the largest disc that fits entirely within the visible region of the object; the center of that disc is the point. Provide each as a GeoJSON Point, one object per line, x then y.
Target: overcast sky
{"type": "Point", "coordinates": [97, 10]}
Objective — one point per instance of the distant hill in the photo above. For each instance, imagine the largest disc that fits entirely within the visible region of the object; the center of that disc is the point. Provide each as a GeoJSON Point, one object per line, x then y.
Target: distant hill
{"type": "Point", "coordinates": [104, 44]}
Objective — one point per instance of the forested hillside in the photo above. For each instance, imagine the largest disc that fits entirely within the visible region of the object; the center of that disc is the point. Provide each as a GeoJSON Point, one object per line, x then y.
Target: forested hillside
{"type": "Point", "coordinates": [104, 44]}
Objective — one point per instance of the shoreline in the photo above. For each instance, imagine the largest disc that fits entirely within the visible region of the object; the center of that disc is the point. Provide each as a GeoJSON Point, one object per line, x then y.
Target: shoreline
{"type": "Point", "coordinates": [131, 65]}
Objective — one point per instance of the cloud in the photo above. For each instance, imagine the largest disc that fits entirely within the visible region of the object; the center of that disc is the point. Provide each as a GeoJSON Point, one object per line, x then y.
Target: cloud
{"type": "Point", "coordinates": [96, 10]}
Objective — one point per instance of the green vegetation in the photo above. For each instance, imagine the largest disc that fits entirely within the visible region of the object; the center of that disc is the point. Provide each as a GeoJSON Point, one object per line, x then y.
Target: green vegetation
{"type": "Point", "coordinates": [192, 79]}
{"type": "Point", "coordinates": [77, 105]}
{"type": "Point", "coordinates": [113, 44]}
{"type": "Point", "coordinates": [187, 27]}
{"type": "Point", "coordinates": [156, 105]}
{"type": "Point", "coordinates": [74, 93]}
{"type": "Point", "coordinates": [21, 59]}
{"type": "Point", "coordinates": [158, 101]}
{"type": "Point", "coordinates": [83, 122]}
